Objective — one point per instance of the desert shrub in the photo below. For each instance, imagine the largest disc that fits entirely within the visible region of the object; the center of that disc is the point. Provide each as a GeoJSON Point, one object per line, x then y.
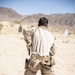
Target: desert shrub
{"type": "Point", "coordinates": [20, 29]}
{"type": "Point", "coordinates": [73, 32]}
{"type": "Point", "coordinates": [1, 26]}
{"type": "Point", "coordinates": [16, 22]}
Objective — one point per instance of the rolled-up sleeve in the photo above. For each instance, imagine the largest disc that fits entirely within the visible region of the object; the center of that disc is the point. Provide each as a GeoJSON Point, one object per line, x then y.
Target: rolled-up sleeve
{"type": "Point", "coordinates": [27, 33]}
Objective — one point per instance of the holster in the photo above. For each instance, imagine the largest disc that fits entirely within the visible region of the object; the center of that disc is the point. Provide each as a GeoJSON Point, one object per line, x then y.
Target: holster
{"type": "Point", "coordinates": [26, 63]}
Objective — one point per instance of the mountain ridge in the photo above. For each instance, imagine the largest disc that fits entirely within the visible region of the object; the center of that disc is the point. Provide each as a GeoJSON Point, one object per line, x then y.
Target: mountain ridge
{"type": "Point", "coordinates": [8, 14]}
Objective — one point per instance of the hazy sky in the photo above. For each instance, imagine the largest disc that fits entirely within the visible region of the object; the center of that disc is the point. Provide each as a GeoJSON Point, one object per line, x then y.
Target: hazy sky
{"type": "Point", "coordinates": [40, 6]}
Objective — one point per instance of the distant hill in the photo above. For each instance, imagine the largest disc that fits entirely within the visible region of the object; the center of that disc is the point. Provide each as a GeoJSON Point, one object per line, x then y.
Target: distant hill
{"type": "Point", "coordinates": [62, 19]}
{"type": "Point", "coordinates": [32, 19]}
{"type": "Point", "coordinates": [54, 19]}
{"type": "Point", "coordinates": [8, 14]}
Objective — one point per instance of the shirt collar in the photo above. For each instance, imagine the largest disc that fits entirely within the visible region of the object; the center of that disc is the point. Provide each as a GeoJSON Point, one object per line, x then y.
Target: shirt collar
{"type": "Point", "coordinates": [44, 27]}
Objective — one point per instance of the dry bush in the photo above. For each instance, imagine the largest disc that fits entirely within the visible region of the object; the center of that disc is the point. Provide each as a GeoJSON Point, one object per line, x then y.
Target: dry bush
{"type": "Point", "coordinates": [1, 26]}
{"type": "Point", "coordinates": [72, 31]}
{"type": "Point", "coordinates": [61, 29]}
{"type": "Point", "coordinates": [16, 22]}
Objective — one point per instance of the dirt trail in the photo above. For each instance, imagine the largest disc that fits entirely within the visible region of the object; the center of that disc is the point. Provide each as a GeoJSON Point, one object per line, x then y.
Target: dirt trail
{"type": "Point", "coordinates": [13, 53]}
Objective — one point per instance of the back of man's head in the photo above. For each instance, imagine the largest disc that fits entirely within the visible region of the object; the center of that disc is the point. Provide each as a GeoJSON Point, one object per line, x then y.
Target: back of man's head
{"type": "Point", "coordinates": [43, 22]}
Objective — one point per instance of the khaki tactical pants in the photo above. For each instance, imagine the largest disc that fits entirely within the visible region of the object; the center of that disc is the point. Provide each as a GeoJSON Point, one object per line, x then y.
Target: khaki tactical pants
{"type": "Point", "coordinates": [45, 65]}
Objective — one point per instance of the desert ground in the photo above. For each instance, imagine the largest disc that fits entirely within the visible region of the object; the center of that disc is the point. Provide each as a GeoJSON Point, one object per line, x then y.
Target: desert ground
{"type": "Point", "coordinates": [13, 53]}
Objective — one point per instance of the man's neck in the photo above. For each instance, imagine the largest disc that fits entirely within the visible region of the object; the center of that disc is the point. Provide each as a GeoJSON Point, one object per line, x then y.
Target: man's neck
{"type": "Point", "coordinates": [44, 27]}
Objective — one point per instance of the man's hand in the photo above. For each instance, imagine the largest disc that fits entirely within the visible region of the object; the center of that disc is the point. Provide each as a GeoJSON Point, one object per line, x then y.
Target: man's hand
{"type": "Point", "coordinates": [53, 48]}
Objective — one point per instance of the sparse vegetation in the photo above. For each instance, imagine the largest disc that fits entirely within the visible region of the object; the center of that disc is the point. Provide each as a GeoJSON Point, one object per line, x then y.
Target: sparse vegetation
{"type": "Point", "coordinates": [61, 29]}
{"type": "Point", "coordinates": [20, 29]}
{"type": "Point", "coordinates": [16, 22]}
{"type": "Point", "coordinates": [1, 26]}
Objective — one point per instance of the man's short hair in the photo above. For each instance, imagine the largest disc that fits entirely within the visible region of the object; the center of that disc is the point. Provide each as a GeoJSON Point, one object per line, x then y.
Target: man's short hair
{"type": "Point", "coordinates": [43, 21]}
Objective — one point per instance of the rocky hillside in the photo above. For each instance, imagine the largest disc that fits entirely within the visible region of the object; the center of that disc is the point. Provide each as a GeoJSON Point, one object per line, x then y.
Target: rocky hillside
{"type": "Point", "coordinates": [32, 19]}
{"type": "Point", "coordinates": [62, 19]}
{"type": "Point", "coordinates": [7, 14]}
{"type": "Point", "coordinates": [54, 19]}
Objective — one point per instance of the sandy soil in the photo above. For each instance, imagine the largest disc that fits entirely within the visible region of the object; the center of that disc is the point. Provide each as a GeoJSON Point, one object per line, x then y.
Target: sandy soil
{"type": "Point", "coordinates": [13, 53]}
